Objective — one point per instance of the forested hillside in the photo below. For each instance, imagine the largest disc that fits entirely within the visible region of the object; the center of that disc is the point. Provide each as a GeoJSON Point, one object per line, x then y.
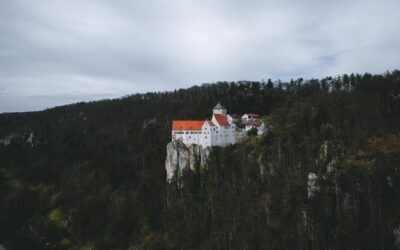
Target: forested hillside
{"type": "Point", "coordinates": [326, 176]}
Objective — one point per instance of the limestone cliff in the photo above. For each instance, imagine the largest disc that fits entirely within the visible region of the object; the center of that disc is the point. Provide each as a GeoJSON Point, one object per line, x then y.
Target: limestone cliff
{"type": "Point", "coordinates": [181, 157]}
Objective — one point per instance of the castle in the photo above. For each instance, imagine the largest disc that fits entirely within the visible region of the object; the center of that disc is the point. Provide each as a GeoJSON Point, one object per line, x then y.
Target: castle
{"type": "Point", "coordinates": [215, 132]}
{"type": "Point", "coordinates": [221, 130]}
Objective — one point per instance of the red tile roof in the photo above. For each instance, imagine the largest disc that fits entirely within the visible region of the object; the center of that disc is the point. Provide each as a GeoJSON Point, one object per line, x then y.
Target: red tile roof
{"type": "Point", "coordinates": [210, 123]}
{"type": "Point", "coordinates": [255, 123]}
{"type": "Point", "coordinates": [221, 120]}
{"type": "Point", "coordinates": [187, 125]}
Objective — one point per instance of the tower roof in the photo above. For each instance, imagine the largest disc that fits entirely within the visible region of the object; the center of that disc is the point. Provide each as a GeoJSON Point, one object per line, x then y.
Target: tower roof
{"type": "Point", "coordinates": [219, 106]}
{"type": "Point", "coordinates": [221, 120]}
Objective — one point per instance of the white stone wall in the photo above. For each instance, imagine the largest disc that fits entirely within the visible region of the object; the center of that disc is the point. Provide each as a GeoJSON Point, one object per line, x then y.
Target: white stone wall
{"type": "Point", "coordinates": [208, 136]}
{"type": "Point", "coordinates": [214, 134]}
{"type": "Point", "coordinates": [249, 117]}
{"type": "Point", "coordinates": [232, 132]}
{"type": "Point", "coordinates": [187, 136]}
{"type": "Point", "coordinates": [230, 119]}
{"type": "Point", "coordinates": [220, 112]}
{"type": "Point", "coordinates": [205, 138]}
{"type": "Point", "coordinates": [223, 135]}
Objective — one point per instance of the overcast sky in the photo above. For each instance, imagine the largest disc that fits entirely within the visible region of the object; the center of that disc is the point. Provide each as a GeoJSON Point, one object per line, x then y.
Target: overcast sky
{"type": "Point", "coordinates": [54, 52]}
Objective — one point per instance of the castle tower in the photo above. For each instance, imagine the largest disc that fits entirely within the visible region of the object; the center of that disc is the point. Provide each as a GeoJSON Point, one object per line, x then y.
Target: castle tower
{"type": "Point", "coordinates": [219, 109]}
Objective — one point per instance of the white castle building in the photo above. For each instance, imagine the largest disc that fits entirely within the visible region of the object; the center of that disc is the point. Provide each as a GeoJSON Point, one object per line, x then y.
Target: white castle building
{"type": "Point", "coordinates": [215, 132]}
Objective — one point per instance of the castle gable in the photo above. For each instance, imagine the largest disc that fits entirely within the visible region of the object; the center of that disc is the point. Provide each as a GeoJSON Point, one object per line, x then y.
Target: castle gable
{"type": "Point", "coordinates": [221, 120]}
{"type": "Point", "coordinates": [209, 123]}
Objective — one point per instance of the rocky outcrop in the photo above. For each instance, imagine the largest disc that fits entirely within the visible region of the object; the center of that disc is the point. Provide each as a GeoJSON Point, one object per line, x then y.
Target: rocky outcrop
{"type": "Point", "coordinates": [180, 157]}
{"type": "Point", "coordinates": [396, 233]}
{"type": "Point", "coordinates": [7, 140]}
{"type": "Point", "coordinates": [312, 187]}
{"type": "Point", "coordinates": [28, 137]}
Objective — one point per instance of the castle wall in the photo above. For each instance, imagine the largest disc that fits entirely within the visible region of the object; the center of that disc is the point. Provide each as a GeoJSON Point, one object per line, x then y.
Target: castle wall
{"type": "Point", "coordinates": [211, 133]}
{"type": "Point", "coordinates": [205, 138]}
{"type": "Point", "coordinates": [220, 112]}
{"type": "Point", "coordinates": [187, 136]}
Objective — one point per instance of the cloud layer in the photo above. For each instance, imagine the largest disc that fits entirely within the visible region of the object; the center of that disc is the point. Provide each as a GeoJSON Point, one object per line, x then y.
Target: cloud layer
{"type": "Point", "coordinates": [54, 52]}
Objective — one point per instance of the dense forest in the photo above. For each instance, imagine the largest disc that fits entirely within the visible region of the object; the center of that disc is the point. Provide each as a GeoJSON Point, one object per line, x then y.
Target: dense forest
{"type": "Point", "coordinates": [325, 176]}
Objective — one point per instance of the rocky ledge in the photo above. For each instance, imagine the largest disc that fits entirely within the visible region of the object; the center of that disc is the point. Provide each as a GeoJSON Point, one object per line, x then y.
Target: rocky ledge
{"type": "Point", "coordinates": [181, 157]}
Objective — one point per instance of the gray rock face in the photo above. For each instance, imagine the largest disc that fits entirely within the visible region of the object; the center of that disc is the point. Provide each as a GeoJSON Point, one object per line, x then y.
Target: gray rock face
{"type": "Point", "coordinates": [7, 140]}
{"type": "Point", "coordinates": [396, 233]}
{"type": "Point", "coordinates": [312, 187]}
{"type": "Point", "coordinates": [180, 157]}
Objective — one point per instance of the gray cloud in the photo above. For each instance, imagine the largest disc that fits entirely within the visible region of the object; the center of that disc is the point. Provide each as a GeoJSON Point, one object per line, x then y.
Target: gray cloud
{"type": "Point", "coordinates": [54, 52]}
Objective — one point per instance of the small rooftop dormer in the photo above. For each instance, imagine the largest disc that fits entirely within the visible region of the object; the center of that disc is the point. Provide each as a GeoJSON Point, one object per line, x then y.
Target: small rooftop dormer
{"type": "Point", "coordinates": [219, 110]}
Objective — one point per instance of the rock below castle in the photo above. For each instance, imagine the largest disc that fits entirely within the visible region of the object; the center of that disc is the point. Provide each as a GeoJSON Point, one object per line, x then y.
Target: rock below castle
{"type": "Point", "coordinates": [181, 157]}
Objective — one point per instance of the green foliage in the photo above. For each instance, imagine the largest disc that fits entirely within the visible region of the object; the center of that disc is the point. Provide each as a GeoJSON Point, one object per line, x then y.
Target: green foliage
{"type": "Point", "coordinates": [93, 175]}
